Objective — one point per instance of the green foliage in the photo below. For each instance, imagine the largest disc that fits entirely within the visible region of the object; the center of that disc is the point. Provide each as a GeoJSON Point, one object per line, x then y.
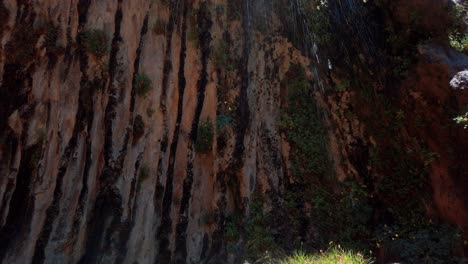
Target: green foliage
{"type": "Point", "coordinates": [331, 256]}
{"type": "Point", "coordinates": [205, 137]}
{"type": "Point", "coordinates": [320, 23]}
{"type": "Point", "coordinates": [143, 84]}
{"type": "Point", "coordinates": [305, 130]}
{"type": "Point", "coordinates": [259, 238]}
{"type": "Point", "coordinates": [96, 42]}
{"type": "Point", "coordinates": [459, 42]}
{"type": "Point", "coordinates": [462, 120]}
{"type": "Point", "coordinates": [458, 33]}
{"type": "Point", "coordinates": [342, 217]}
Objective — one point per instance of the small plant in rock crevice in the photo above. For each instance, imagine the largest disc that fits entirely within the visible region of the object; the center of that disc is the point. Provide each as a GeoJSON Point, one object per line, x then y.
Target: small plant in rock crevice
{"type": "Point", "coordinates": [143, 84]}
{"type": "Point", "coordinates": [462, 120]}
{"type": "Point", "coordinates": [96, 42]}
{"type": "Point", "coordinates": [205, 136]}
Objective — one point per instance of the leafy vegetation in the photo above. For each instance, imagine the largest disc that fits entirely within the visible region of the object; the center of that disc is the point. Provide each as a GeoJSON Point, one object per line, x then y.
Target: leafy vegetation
{"type": "Point", "coordinates": [96, 42]}
{"type": "Point", "coordinates": [205, 136]}
{"type": "Point", "coordinates": [320, 22]}
{"type": "Point", "coordinates": [143, 84]}
{"type": "Point", "coordinates": [462, 120]}
{"type": "Point", "coordinates": [332, 256]}
{"type": "Point", "coordinates": [458, 35]}
{"type": "Point", "coordinates": [302, 122]}
{"type": "Point", "coordinates": [259, 238]}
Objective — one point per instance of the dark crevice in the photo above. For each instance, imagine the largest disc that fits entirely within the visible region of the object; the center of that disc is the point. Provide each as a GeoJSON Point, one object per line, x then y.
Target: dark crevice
{"type": "Point", "coordinates": [126, 227]}
{"type": "Point", "coordinates": [163, 198]}
{"type": "Point", "coordinates": [164, 233]}
{"type": "Point", "coordinates": [84, 117]}
{"type": "Point", "coordinates": [14, 95]}
{"type": "Point", "coordinates": [204, 26]}
{"type": "Point", "coordinates": [108, 200]}
{"type": "Point", "coordinates": [227, 180]}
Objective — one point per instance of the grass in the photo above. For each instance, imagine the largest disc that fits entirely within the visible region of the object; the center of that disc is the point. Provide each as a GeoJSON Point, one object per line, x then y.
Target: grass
{"type": "Point", "coordinates": [96, 42]}
{"type": "Point", "coordinates": [331, 256]}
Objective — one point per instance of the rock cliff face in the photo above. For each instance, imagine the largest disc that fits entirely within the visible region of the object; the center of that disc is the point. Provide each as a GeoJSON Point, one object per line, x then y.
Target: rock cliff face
{"type": "Point", "coordinates": [134, 131]}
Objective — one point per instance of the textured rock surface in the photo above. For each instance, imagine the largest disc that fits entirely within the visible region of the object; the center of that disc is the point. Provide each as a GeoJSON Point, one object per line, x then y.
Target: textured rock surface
{"type": "Point", "coordinates": [79, 184]}
{"type": "Point", "coordinates": [71, 186]}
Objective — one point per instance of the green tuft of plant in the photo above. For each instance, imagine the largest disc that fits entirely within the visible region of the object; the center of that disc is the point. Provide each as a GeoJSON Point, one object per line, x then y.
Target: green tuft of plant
{"type": "Point", "coordinates": [96, 42]}
{"type": "Point", "coordinates": [458, 33]}
{"type": "Point", "coordinates": [331, 256]}
{"type": "Point", "coordinates": [143, 84]}
{"type": "Point", "coordinates": [462, 120]}
{"type": "Point", "coordinates": [205, 137]}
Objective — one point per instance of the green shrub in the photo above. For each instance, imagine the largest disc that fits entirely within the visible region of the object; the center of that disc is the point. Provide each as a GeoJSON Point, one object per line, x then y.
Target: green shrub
{"type": "Point", "coordinates": [304, 127]}
{"type": "Point", "coordinates": [143, 84]}
{"type": "Point", "coordinates": [205, 137]}
{"type": "Point", "coordinates": [462, 120]}
{"type": "Point", "coordinates": [259, 237]}
{"type": "Point", "coordinates": [96, 42]}
{"type": "Point", "coordinates": [458, 33]}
